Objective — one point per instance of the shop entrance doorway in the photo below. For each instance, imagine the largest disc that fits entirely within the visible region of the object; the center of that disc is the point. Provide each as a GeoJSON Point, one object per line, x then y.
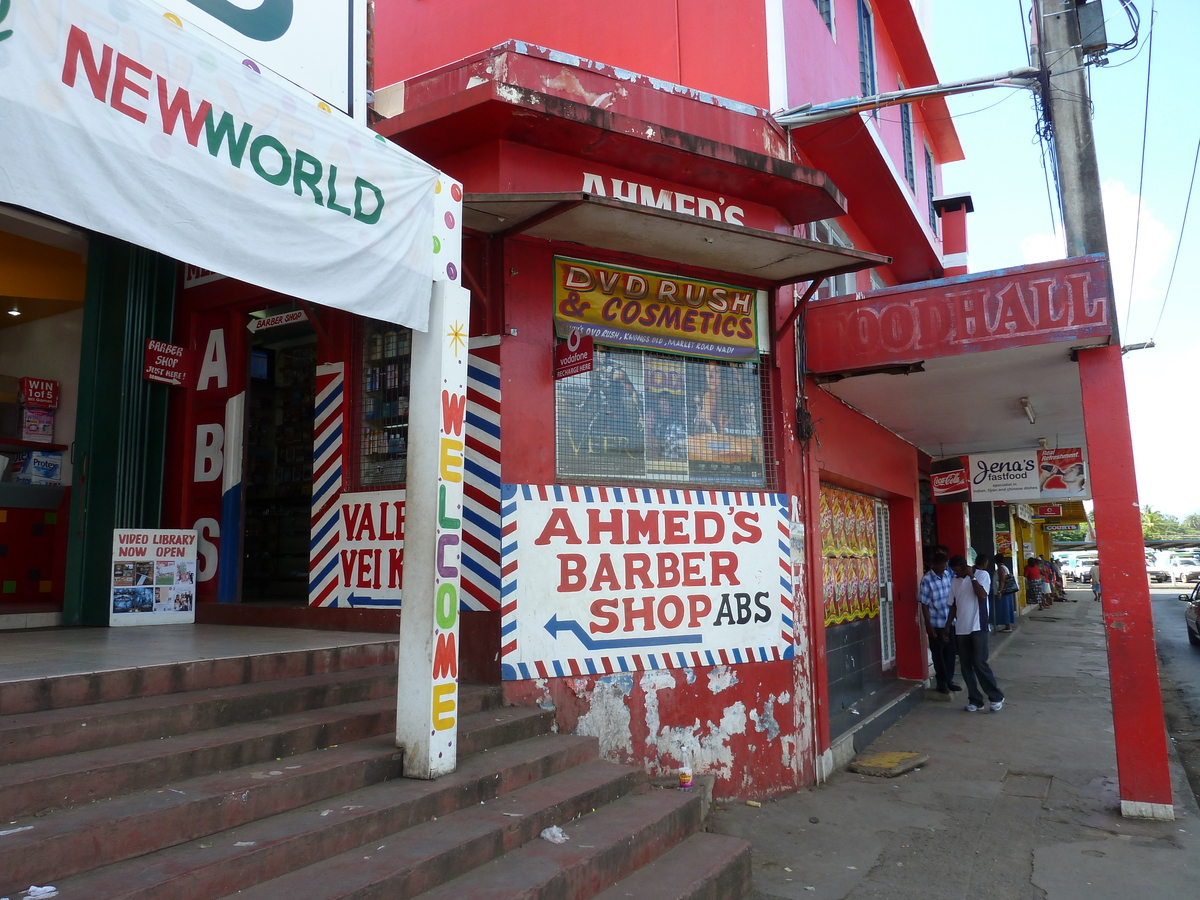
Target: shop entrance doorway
{"type": "Point", "coordinates": [280, 384]}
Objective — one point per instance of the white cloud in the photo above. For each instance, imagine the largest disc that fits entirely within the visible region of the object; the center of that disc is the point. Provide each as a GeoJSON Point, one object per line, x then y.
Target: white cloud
{"type": "Point", "coordinates": [1154, 243]}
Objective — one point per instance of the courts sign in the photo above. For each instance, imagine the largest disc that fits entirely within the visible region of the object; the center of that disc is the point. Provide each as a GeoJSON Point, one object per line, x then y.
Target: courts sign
{"type": "Point", "coordinates": [320, 46]}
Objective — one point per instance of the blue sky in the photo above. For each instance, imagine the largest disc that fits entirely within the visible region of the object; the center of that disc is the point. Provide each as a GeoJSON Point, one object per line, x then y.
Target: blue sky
{"type": "Point", "coordinates": [1012, 222]}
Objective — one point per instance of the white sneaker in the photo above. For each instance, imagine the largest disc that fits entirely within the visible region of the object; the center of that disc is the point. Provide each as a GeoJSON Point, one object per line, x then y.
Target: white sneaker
{"type": "Point", "coordinates": [997, 706]}
{"type": "Point", "coordinates": [971, 707]}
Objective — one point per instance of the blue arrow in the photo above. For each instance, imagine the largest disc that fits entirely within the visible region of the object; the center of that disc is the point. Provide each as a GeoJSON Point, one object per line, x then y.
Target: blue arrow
{"type": "Point", "coordinates": [367, 600]}
{"type": "Point", "coordinates": [554, 627]}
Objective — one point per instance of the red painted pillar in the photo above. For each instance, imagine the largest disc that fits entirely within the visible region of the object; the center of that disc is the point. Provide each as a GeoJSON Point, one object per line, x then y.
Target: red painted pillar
{"type": "Point", "coordinates": [952, 527]}
{"type": "Point", "coordinates": [1142, 769]}
{"type": "Point", "coordinates": [912, 660]}
{"type": "Point", "coordinates": [952, 210]}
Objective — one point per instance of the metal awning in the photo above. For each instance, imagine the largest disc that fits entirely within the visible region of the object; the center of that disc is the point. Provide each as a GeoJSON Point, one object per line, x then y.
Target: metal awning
{"type": "Point", "coordinates": [606, 223]}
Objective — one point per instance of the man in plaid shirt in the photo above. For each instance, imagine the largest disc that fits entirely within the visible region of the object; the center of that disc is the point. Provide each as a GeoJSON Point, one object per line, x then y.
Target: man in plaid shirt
{"type": "Point", "coordinates": [935, 606]}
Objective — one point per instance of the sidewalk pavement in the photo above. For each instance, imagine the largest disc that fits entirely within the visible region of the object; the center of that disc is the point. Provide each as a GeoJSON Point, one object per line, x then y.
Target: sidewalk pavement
{"type": "Point", "coordinates": [1017, 804]}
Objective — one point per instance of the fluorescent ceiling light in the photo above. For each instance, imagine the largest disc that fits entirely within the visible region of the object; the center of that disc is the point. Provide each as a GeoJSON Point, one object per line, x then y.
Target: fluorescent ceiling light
{"type": "Point", "coordinates": [1027, 408]}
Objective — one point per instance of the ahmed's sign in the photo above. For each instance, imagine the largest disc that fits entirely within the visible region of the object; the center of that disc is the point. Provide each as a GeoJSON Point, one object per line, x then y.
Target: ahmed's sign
{"type": "Point", "coordinates": [1016, 475]}
{"type": "Point", "coordinates": [600, 580]}
{"type": "Point", "coordinates": [627, 307]}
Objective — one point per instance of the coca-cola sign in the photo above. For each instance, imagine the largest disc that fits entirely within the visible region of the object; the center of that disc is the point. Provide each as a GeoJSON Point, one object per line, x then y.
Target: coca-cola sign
{"type": "Point", "coordinates": [949, 483]}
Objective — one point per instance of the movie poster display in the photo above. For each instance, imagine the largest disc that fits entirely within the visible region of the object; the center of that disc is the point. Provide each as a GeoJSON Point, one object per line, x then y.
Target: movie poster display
{"type": "Point", "coordinates": [153, 577]}
{"type": "Point", "coordinates": [850, 545]}
{"type": "Point", "coordinates": [652, 417]}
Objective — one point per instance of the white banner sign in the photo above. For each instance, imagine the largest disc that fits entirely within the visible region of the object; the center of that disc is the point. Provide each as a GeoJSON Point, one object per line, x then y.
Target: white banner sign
{"type": "Point", "coordinates": [600, 580]}
{"type": "Point", "coordinates": [1029, 475]}
{"type": "Point", "coordinates": [320, 46]}
{"type": "Point", "coordinates": [117, 118]}
{"type": "Point", "coordinates": [153, 577]}
{"type": "Point", "coordinates": [369, 535]}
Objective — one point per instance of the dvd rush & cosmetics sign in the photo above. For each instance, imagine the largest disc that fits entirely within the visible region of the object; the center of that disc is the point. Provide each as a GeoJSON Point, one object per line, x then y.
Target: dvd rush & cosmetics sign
{"type": "Point", "coordinates": [654, 311]}
{"type": "Point", "coordinates": [600, 580]}
{"type": "Point", "coordinates": [1018, 475]}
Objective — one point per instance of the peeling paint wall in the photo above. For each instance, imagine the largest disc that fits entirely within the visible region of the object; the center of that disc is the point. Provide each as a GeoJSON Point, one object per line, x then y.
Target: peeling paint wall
{"type": "Point", "coordinates": [737, 723]}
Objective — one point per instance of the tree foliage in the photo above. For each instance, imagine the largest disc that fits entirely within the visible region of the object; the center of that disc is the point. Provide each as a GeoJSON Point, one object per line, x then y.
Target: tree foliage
{"type": "Point", "coordinates": [1161, 526]}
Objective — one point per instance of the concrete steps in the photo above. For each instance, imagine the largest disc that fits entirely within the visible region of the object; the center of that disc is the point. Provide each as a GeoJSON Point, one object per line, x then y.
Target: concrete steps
{"type": "Point", "coordinates": [223, 780]}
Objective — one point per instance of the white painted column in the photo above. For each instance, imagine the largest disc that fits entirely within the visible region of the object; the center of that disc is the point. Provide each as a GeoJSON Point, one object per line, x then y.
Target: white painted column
{"type": "Point", "coordinates": [427, 694]}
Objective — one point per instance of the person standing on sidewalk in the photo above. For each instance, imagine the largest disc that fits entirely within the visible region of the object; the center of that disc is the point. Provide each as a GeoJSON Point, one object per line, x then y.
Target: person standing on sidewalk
{"type": "Point", "coordinates": [1094, 577]}
{"type": "Point", "coordinates": [935, 608]}
{"type": "Point", "coordinates": [1006, 606]}
{"type": "Point", "coordinates": [968, 612]}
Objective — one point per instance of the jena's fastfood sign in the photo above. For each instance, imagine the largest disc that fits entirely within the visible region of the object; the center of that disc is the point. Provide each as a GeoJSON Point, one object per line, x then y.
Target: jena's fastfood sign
{"type": "Point", "coordinates": [654, 311]}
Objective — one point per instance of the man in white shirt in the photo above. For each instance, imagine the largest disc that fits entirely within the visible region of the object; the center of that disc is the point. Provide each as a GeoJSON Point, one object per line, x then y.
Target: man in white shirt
{"type": "Point", "coordinates": [968, 613]}
{"type": "Point", "coordinates": [1094, 578]}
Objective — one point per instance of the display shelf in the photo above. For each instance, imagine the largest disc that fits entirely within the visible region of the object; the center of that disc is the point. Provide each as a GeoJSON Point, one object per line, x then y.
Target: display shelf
{"type": "Point", "coordinates": [9, 445]}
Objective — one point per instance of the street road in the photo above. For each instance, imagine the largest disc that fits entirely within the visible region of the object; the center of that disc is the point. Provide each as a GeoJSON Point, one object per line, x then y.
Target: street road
{"type": "Point", "coordinates": [1180, 660]}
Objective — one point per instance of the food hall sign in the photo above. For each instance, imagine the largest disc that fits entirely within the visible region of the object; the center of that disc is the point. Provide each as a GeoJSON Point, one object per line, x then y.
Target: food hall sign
{"type": "Point", "coordinates": [603, 580]}
{"type": "Point", "coordinates": [1064, 300]}
{"type": "Point", "coordinates": [654, 311]}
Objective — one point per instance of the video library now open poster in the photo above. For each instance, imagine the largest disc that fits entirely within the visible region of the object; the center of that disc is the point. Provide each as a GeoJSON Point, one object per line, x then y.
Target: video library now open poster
{"type": "Point", "coordinates": [153, 577]}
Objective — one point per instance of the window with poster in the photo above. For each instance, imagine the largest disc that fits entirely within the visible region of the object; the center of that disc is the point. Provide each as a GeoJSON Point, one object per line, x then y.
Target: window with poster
{"type": "Point", "coordinates": [675, 393]}
{"type": "Point", "coordinates": [384, 363]}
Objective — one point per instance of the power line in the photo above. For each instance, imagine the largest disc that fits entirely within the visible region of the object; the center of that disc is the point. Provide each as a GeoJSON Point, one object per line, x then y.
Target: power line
{"type": "Point", "coordinates": [1182, 228]}
{"type": "Point", "coordinates": [1137, 228]}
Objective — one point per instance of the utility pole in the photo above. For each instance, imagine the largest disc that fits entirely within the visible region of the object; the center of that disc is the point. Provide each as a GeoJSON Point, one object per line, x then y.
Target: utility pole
{"type": "Point", "coordinates": [1139, 731]}
{"type": "Point", "coordinates": [1068, 105]}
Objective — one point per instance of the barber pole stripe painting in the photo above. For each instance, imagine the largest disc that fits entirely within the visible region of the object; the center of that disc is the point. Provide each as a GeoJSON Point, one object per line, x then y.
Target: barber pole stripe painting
{"type": "Point", "coordinates": [516, 596]}
{"type": "Point", "coordinates": [329, 415]}
{"type": "Point", "coordinates": [480, 580]}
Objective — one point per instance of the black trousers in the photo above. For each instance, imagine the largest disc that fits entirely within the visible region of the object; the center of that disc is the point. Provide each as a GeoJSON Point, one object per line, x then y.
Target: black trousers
{"type": "Point", "coordinates": [943, 661]}
{"type": "Point", "coordinates": [973, 656]}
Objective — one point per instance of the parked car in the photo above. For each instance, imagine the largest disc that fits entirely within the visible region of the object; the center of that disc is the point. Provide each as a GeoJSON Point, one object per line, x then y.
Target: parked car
{"type": "Point", "coordinates": [1158, 572]}
{"type": "Point", "coordinates": [1185, 569]}
{"type": "Point", "coordinates": [1191, 615]}
{"type": "Point", "coordinates": [1083, 568]}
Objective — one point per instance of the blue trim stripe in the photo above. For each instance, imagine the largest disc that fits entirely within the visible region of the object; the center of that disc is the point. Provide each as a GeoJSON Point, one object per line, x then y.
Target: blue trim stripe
{"type": "Point", "coordinates": [335, 435]}
{"type": "Point", "coordinates": [589, 495]}
{"type": "Point", "coordinates": [332, 397]}
{"type": "Point", "coordinates": [326, 485]}
{"type": "Point", "coordinates": [558, 669]}
{"type": "Point", "coordinates": [711, 659]}
{"type": "Point", "coordinates": [484, 474]}
{"type": "Point", "coordinates": [524, 670]}
{"type": "Point", "coordinates": [483, 377]}
{"type": "Point", "coordinates": [477, 421]}
{"type": "Point", "coordinates": [762, 654]}
{"type": "Point", "coordinates": [653, 660]}
{"type": "Point", "coordinates": [621, 662]}
{"type": "Point", "coordinates": [508, 510]}
{"type": "Point", "coordinates": [508, 549]}
{"type": "Point", "coordinates": [785, 583]}
{"type": "Point", "coordinates": [506, 589]}
{"type": "Point", "coordinates": [480, 523]}
{"type": "Point", "coordinates": [527, 492]}
{"type": "Point", "coordinates": [316, 579]}
{"type": "Point", "coordinates": [474, 565]}
{"type": "Point", "coordinates": [787, 621]}
{"type": "Point", "coordinates": [325, 529]}
{"type": "Point", "coordinates": [682, 659]}
{"type": "Point", "coordinates": [737, 655]}
{"type": "Point", "coordinates": [591, 666]}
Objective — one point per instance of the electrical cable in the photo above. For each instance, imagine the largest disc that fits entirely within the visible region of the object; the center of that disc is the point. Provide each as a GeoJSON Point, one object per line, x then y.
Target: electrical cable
{"type": "Point", "coordinates": [1179, 245]}
{"type": "Point", "coordinates": [1137, 227]}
